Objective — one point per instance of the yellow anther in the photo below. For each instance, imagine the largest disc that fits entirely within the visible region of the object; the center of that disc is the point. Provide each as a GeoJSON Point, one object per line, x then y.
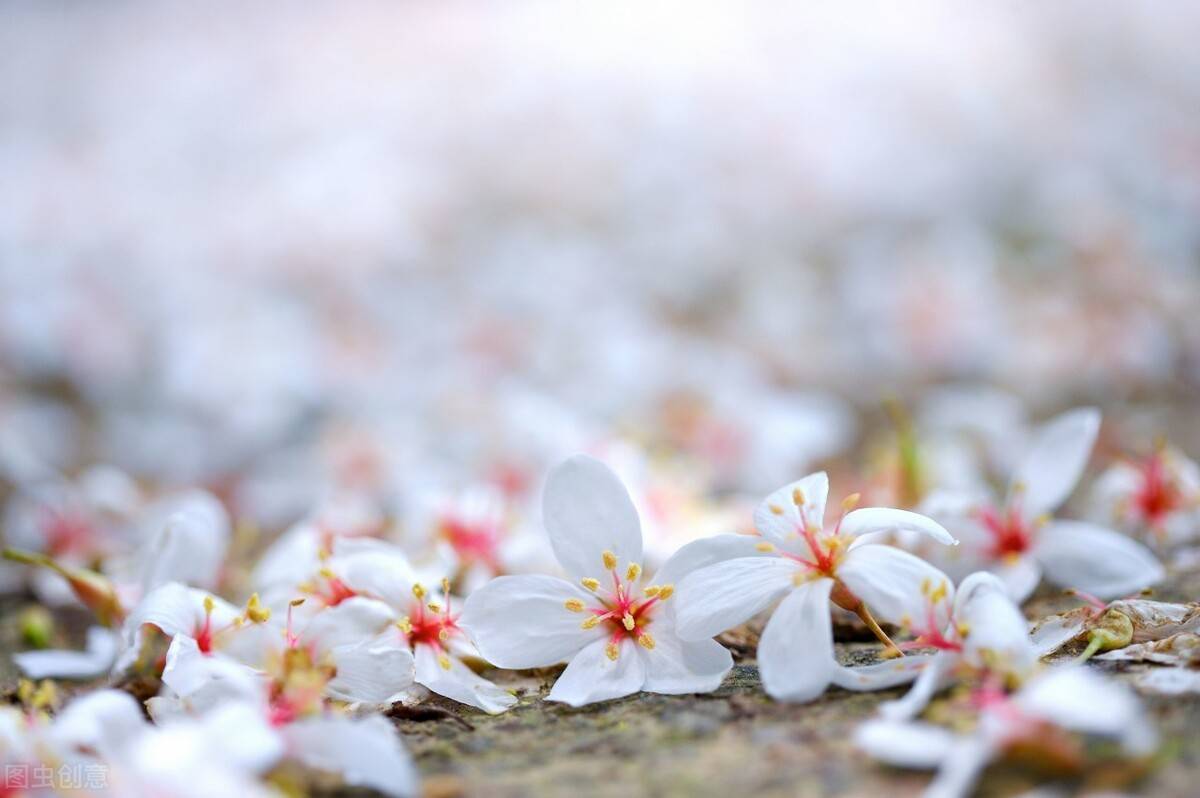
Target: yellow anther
{"type": "Point", "coordinates": [404, 625]}
{"type": "Point", "coordinates": [238, 621]}
{"type": "Point", "coordinates": [797, 497]}
{"type": "Point", "coordinates": [590, 583]}
{"type": "Point", "coordinates": [610, 560]}
{"type": "Point", "coordinates": [209, 604]}
{"type": "Point", "coordinates": [590, 622]}
{"type": "Point", "coordinates": [326, 573]}
{"type": "Point", "coordinates": [434, 607]}
{"type": "Point", "coordinates": [444, 661]}
{"type": "Point", "coordinates": [25, 690]}
{"type": "Point", "coordinates": [628, 622]}
{"type": "Point", "coordinates": [45, 697]}
{"type": "Point", "coordinates": [306, 587]}
{"type": "Point", "coordinates": [633, 572]}
{"type": "Point", "coordinates": [445, 586]}
{"type": "Point", "coordinates": [776, 509]}
{"type": "Point", "coordinates": [851, 501]}
{"type": "Point", "coordinates": [939, 592]}
{"type": "Point", "coordinates": [255, 611]}
{"type": "Point", "coordinates": [665, 592]}
{"type": "Point", "coordinates": [612, 651]}
{"type": "Point", "coordinates": [964, 629]}
{"type": "Point", "coordinates": [926, 586]}
{"type": "Point", "coordinates": [418, 590]}
{"type": "Point", "coordinates": [296, 602]}
{"type": "Point", "coordinates": [443, 635]}
{"type": "Point", "coordinates": [651, 590]}
{"type": "Point", "coordinates": [646, 641]}
{"type": "Point", "coordinates": [765, 546]}
{"type": "Point", "coordinates": [574, 605]}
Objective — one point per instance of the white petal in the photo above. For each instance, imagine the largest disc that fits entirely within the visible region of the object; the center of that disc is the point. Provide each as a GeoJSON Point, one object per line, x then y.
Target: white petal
{"type": "Point", "coordinates": [371, 671]}
{"type": "Point", "coordinates": [1099, 561]}
{"type": "Point", "coordinates": [1054, 632]}
{"type": "Point", "coordinates": [1055, 461]}
{"type": "Point", "coordinates": [884, 519]}
{"type": "Point", "coordinates": [718, 597]}
{"type": "Point", "coordinates": [367, 752]}
{"type": "Point", "coordinates": [188, 544]}
{"type": "Point", "coordinates": [676, 666]}
{"type": "Point", "coordinates": [705, 552]}
{"type": "Point", "coordinates": [960, 769]}
{"type": "Point", "coordinates": [347, 623]}
{"type": "Point", "coordinates": [890, 580]}
{"type": "Point", "coordinates": [522, 621]}
{"type": "Point", "coordinates": [382, 574]}
{"type": "Point", "coordinates": [795, 652]}
{"type": "Point", "coordinates": [203, 681]}
{"type": "Point", "coordinates": [105, 721]}
{"type": "Point", "coordinates": [882, 675]}
{"type": "Point", "coordinates": [908, 745]}
{"type": "Point", "coordinates": [1081, 700]}
{"type": "Point", "coordinates": [96, 660]}
{"type": "Point", "coordinates": [460, 683]}
{"type": "Point", "coordinates": [593, 677]}
{"type": "Point", "coordinates": [587, 511]}
{"type": "Point", "coordinates": [173, 609]}
{"type": "Point", "coordinates": [1020, 576]}
{"type": "Point", "coordinates": [997, 635]}
{"type": "Point", "coordinates": [777, 518]}
{"type": "Point", "coordinates": [934, 677]}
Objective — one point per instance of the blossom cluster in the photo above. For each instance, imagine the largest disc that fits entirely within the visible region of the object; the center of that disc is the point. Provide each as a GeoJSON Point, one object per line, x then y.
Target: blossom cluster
{"type": "Point", "coordinates": [349, 612]}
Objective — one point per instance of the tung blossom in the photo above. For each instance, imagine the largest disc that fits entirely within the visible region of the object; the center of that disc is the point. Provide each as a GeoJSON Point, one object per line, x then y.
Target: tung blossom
{"type": "Point", "coordinates": [986, 639]}
{"type": "Point", "coordinates": [1045, 717]}
{"type": "Point", "coordinates": [1019, 541]}
{"type": "Point", "coordinates": [811, 567]}
{"type": "Point", "coordinates": [423, 626]}
{"type": "Point", "coordinates": [615, 626]}
{"type": "Point", "coordinates": [1159, 496]}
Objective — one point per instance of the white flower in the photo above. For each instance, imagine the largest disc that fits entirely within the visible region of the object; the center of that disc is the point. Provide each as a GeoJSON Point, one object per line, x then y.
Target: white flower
{"type": "Point", "coordinates": [985, 637]}
{"type": "Point", "coordinates": [1019, 541]}
{"type": "Point", "coordinates": [810, 567]}
{"type": "Point", "coordinates": [417, 622]}
{"type": "Point", "coordinates": [1159, 495]}
{"type": "Point", "coordinates": [615, 626]}
{"type": "Point", "coordinates": [1071, 699]}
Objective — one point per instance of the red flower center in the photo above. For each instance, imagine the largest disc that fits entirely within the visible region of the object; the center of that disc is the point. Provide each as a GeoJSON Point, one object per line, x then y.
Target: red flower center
{"type": "Point", "coordinates": [1011, 533]}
